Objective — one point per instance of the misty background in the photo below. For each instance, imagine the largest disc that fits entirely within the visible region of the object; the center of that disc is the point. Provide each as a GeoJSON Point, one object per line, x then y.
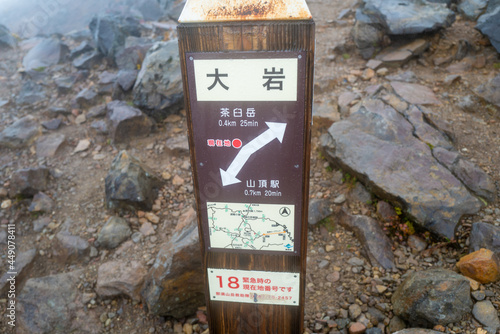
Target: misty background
{"type": "Point", "coordinates": [27, 18]}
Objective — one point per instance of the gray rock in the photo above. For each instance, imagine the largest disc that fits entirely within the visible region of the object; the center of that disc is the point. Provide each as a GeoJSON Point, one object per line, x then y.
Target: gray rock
{"type": "Point", "coordinates": [28, 182]}
{"type": "Point", "coordinates": [97, 111]}
{"type": "Point", "coordinates": [174, 285]}
{"type": "Point", "coordinates": [158, 87]}
{"type": "Point", "coordinates": [130, 183]}
{"type": "Point", "coordinates": [487, 315]}
{"type": "Point", "coordinates": [415, 93]}
{"type": "Point", "coordinates": [30, 93]}
{"type": "Point", "coordinates": [127, 122]}
{"type": "Point", "coordinates": [126, 79]}
{"type": "Point", "coordinates": [409, 16]}
{"type": "Point", "coordinates": [150, 9]}
{"type": "Point", "coordinates": [131, 57]}
{"type": "Point", "coordinates": [172, 8]}
{"type": "Point", "coordinates": [417, 331]}
{"type": "Point", "coordinates": [114, 232]}
{"type": "Point", "coordinates": [40, 224]}
{"type": "Point", "coordinates": [396, 325]}
{"type": "Point", "coordinates": [110, 31]}
{"type": "Point", "coordinates": [471, 9]}
{"type": "Point", "coordinates": [179, 144]}
{"type": "Point", "coordinates": [319, 209]}
{"type": "Point", "coordinates": [425, 132]}
{"type": "Point", "coordinates": [432, 297]}
{"type": "Point", "coordinates": [49, 51]}
{"type": "Point", "coordinates": [41, 203]}
{"type": "Point", "coordinates": [52, 304]}
{"type": "Point", "coordinates": [478, 296]}
{"type": "Point", "coordinates": [326, 110]}
{"type": "Point", "coordinates": [87, 98]}
{"type": "Point", "coordinates": [70, 248]}
{"type": "Point", "coordinates": [48, 146]}
{"type": "Point", "coordinates": [117, 278]}
{"type": "Point", "coordinates": [100, 126]}
{"type": "Point", "coordinates": [83, 47]}
{"type": "Point", "coordinates": [377, 247]}
{"type": "Point", "coordinates": [21, 133]}
{"type": "Point", "coordinates": [376, 144]}
{"type": "Point", "coordinates": [484, 235]}
{"type": "Point", "coordinates": [360, 194]}
{"type": "Point", "coordinates": [53, 124]}
{"type": "Point", "coordinates": [417, 243]}
{"type": "Point", "coordinates": [22, 267]}
{"type": "Point", "coordinates": [65, 83]}
{"type": "Point", "coordinates": [354, 311]}
{"type": "Point", "coordinates": [368, 34]}
{"type": "Point", "coordinates": [7, 41]}
{"type": "Point", "coordinates": [467, 103]}
{"type": "Point", "coordinates": [87, 60]}
{"type": "Point", "coordinates": [490, 91]}
{"type": "Point", "coordinates": [489, 25]}
{"type": "Point", "coordinates": [470, 174]}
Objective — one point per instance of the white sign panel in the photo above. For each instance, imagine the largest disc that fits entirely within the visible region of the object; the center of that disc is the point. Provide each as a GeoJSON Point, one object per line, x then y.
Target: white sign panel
{"type": "Point", "coordinates": [265, 227]}
{"type": "Point", "coordinates": [255, 287]}
{"type": "Point", "coordinates": [273, 79]}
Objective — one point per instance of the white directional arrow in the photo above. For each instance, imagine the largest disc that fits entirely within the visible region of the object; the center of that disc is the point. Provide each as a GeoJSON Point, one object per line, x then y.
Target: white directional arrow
{"type": "Point", "coordinates": [275, 131]}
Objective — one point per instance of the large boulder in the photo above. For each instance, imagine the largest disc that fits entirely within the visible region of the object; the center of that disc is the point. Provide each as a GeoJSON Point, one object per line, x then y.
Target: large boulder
{"type": "Point", "coordinates": [158, 87]}
{"type": "Point", "coordinates": [29, 181]}
{"type": "Point", "coordinates": [110, 31]}
{"type": "Point", "coordinates": [115, 278]}
{"type": "Point", "coordinates": [471, 9]}
{"type": "Point", "coordinates": [130, 184]}
{"type": "Point", "coordinates": [378, 146]}
{"type": "Point", "coordinates": [49, 51]}
{"type": "Point", "coordinates": [432, 297]}
{"type": "Point", "coordinates": [175, 285]}
{"type": "Point", "coordinates": [52, 304]}
{"type": "Point", "coordinates": [489, 25]}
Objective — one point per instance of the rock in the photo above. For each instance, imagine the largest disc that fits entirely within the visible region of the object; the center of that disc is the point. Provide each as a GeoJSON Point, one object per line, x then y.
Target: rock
{"type": "Point", "coordinates": [40, 224]}
{"type": "Point", "coordinates": [22, 267]}
{"type": "Point", "coordinates": [28, 182]}
{"type": "Point", "coordinates": [82, 145]}
{"type": "Point", "coordinates": [126, 79]}
{"type": "Point", "coordinates": [487, 315]}
{"type": "Point", "coordinates": [87, 98]}
{"type": "Point", "coordinates": [417, 331]}
{"type": "Point", "coordinates": [49, 51]}
{"type": "Point", "coordinates": [396, 325]}
{"type": "Point", "coordinates": [150, 9]}
{"type": "Point", "coordinates": [386, 157]}
{"type": "Point", "coordinates": [417, 243]}
{"type": "Point", "coordinates": [147, 229]}
{"type": "Point", "coordinates": [83, 47]}
{"type": "Point", "coordinates": [490, 91]}
{"type": "Point", "coordinates": [87, 60]}
{"type": "Point", "coordinates": [130, 184]}
{"type": "Point", "coordinates": [70, 248]}
{"type": "Point", "coordinates": [408, 17]}
{"type": "Point", "coordinates": [481, 265]}
{"type": "Point", "coordinates": [100, 126]}
{"type": "Point", "coordinates": [357, 328]}
{"type": "Point", "coordinates": [471, 9]}
{"type": "Point", "coordinates": [52, 304]}
{"type": "Point", "coordinates": [109, 32]}
{"type": "Point", "coordinates": [30, 93]}
{"type": "Point", "coordinates": [113, 233]}
{"type": "Point", "coordinates": [484, 235]}
{"type": "Point", "coordinates": [41, 203]}
{"type": "Point", "coordinates": [65, 84]}
{"type": "Point", "coordinates": [360, 194]}
{"type": "Point", "coordinates": [7, 41]}
{"type": "Point", "coordinates": [53, 124]}
{"type": "Point", "coordinates": [179, 144]}
{"type": "Point", "coordinates": [116, 278]}
{"type": "Point", "coordinates": [319, 209]}
{"type": "Point", "coordinates": [414, 93]}
{"type": "Point", "coordinates": [326, 110]}
{"type": "Point", "coordinates": [49, 146]}
{"type": "Point", "coordinates": [398, 55]}
{"type": "Point", "coordinates": [127, 122]}
{"type": "Point", "coordinates": [21, 133]}
{"type": "Point", "coordinates": [471, 175]}
{"type": "Point", "coordinates": [175, 285]}
{"type": "Point", "coordinates": [368, 34]}
{"type": "Point", "coordinates": [131, 57]}
{"type": "Point", "coordinates": [158, 87]}
{"type": "Point", "coordinates": [354, 311]}
{"type": "Point", "coordinates": [432, 297]}
{"type": "Point", "coordinates": [376, 245]}
{"type": "Point", "coordinates": [172, 8]}
{"type": "Point", "coordinates": [426, 132]}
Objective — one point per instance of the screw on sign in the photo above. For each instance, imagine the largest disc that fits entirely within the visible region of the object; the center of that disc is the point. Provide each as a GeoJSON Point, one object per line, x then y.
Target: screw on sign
{"type": "Point", "coordinates": [247, 71]}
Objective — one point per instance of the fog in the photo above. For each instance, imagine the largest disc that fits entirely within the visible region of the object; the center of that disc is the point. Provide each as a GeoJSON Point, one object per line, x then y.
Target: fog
{"type": "Point", "coordinates": [27, 18]}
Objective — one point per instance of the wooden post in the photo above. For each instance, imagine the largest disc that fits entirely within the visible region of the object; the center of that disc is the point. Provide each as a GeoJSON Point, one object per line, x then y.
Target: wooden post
{"type": "Point", "coordinates": [247, 69]}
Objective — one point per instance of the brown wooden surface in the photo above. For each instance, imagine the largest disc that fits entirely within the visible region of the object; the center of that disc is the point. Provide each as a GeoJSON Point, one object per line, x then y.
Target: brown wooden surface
{"type": "Point", "coordinates": [236, 318]}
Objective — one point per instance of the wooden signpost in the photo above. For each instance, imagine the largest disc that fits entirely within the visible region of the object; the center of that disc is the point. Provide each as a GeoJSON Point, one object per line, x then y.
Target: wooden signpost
{"type": "Point", "coordinates": [248, 74]}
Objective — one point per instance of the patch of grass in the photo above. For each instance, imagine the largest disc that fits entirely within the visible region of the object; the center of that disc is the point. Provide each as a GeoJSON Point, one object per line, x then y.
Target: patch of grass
{"type": "Point", "coordinates": [496, 66]}
{"type": "Point", "coordinates": [328, 223]}
{"type": "Point", "coordinates": [39, 69]}
{"type": "Point", "coordinates": [346, 56]}
{"type": "Point", "coordinates": [430, 146]}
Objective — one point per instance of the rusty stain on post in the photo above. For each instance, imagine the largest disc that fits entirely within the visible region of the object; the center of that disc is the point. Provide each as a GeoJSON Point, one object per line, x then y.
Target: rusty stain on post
{"type": "Point", "coordinates": [244, 10]}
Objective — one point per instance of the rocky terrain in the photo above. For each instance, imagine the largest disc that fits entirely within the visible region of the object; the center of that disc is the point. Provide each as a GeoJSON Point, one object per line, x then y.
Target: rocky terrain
{"type": "Point", "coordinates": [404, 223]}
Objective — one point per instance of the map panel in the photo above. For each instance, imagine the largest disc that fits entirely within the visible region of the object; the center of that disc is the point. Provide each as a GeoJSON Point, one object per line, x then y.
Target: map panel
{"type": "Point", "coordinates": [251, 226]}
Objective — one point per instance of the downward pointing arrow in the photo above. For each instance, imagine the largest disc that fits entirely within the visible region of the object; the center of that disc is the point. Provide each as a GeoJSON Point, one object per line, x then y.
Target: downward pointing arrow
{"type": "Point", "coordinates": [275, 131]}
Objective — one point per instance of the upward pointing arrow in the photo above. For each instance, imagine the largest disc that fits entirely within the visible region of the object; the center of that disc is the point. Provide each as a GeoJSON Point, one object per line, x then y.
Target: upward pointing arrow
{"type": "Point", "coordinates": [275, 131]}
